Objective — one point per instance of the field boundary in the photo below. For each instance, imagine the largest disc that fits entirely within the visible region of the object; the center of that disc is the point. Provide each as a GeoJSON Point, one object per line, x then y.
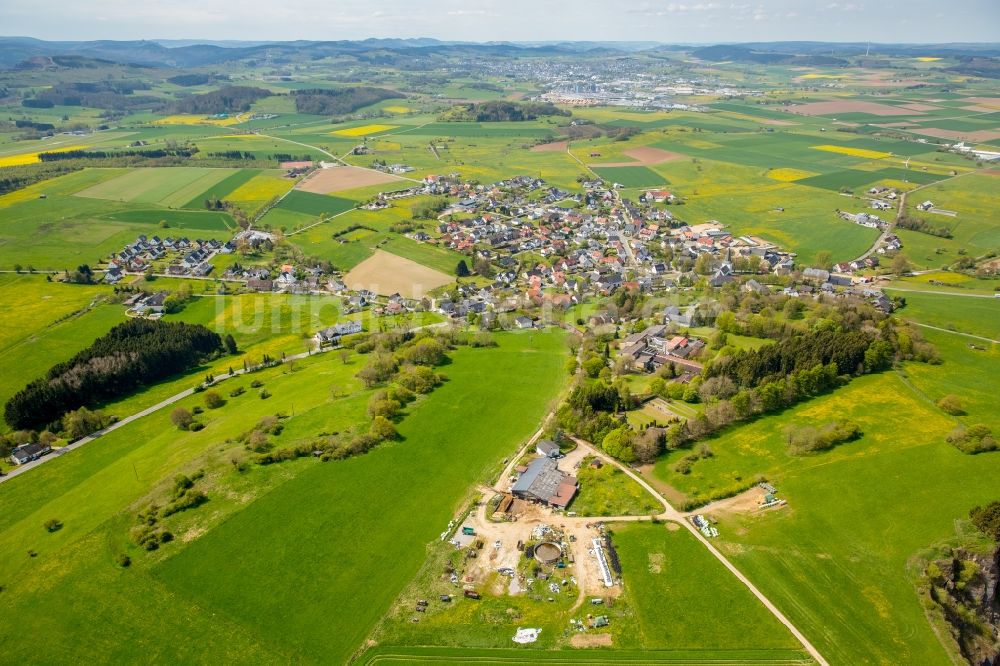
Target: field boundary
{"type": "Point", "coordinates": [389, 655]}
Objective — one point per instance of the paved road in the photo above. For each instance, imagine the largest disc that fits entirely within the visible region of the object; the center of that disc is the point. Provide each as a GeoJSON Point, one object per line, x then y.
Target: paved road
{"type": "Point", "coordinates": [21, 469]}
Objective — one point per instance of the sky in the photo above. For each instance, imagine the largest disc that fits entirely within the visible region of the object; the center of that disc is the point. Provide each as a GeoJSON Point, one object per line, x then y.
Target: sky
{"type": "Point", "coordinates": [686, 21]}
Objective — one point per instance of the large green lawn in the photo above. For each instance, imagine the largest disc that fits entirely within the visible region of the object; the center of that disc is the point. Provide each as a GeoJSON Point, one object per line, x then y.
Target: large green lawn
{"type": "Point", "coordinates": [685, 599]}
{"type": "Point", "coordinates": [834, 560]}
{"type": "Point", "coordinates": [325, 547]}
{"type": "Point", "coordinates": [966, 314]}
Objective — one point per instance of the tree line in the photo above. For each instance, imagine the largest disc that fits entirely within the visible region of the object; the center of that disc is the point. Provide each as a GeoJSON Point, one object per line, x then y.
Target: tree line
{"type": "Point", "coordinates": [152, 153]}
{"type": "Point", "coordinates": [332, 102]}
{"type": "Point", "coordinates": [224, 100]}
{"type": "Point", "coordinates": [131, 355]}
{"type": "Point", "coordinates": [499, 111]}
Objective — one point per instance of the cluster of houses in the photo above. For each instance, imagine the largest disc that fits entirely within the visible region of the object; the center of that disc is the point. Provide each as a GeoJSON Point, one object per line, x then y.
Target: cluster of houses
{"type": "Point", "coordinates": [865, 220]}
{"type": "Point", "coordinates": [186, 257]}
{"type": "Point", "coordinates": [284, 278]}
{"type": "Point", "coordinates": [654, 347]}
{"type": "Point", "coordinates": [145, 304]}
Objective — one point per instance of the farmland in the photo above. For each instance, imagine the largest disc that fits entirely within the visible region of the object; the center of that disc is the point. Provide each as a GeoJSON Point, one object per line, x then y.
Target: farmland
{"type": "Point", "coordinates": [386, 273]}
{"type": "Point", "coordinates": [667, 569]}
{"type": "Point", "coordinates": [319, 530]}
{"type": "Point", "coordinates": [826, 523]}
{"type": "Point", "coordinates": [189, 583]}
{"type": "Point", "coordinates": [172, 187]}
{"type": "Point", "coordinates": [316, 205]}
{"type": "Point", "coordinates": [629, 176]}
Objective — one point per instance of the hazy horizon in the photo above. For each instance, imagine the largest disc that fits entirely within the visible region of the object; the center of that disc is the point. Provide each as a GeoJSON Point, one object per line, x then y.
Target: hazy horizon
{"type": "Point", "coordinates": [690, 22]}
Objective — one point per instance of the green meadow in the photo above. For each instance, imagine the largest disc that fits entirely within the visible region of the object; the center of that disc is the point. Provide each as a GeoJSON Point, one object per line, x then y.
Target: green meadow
{"type": "Point", "coordinates": [630, 176]}
{"type": "Point", "coordinates": [973, 314]}
{"type": "Point", "coordinates": [172, 187]}
{"type": "Point", "coordinates": [834, 559]}
{"type": "Point", "coordinates": [974, 228]}
{"type": "Point", "coordinates": [683, 598]}
{"type": "Point", "coordinates": [308, 203]}
{"type": "Point", "coordinates": [273, 547]}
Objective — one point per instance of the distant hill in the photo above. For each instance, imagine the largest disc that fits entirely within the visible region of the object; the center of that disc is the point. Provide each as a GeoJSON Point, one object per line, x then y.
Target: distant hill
{"type": "Point", "coordinates": [26, 51]}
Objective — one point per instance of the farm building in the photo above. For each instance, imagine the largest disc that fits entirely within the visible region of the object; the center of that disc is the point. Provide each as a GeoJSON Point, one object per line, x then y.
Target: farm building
{"type": "Point", "coordinates": [333, 334]}
{"type": "Point", "coordinates": [544, 482]}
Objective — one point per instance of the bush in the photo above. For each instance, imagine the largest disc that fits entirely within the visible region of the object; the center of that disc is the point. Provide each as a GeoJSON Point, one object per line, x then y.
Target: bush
{"type": "Point", "coordinates": [238, 391]}
{"type": "Point", "coordinates": [123, 560]}
{"type": "Point", "coordinates": [53, 525]}
{"type": "Point", "coordinates": [181, 418]}
{"type": "Point", "coordinates": [987, 519]}
{"type": "Point", "coordinates": [264, 394]}
{"type": "Point", "coordinates": [974, 439]}
{"type": "Point", "coordinates": [213, 400]}
{"type": "Point", "coordinates": [383, 429]}
{"type": "Point", "coordinates": [196, 426]}
{"type": "Point", "coordinates": [951, 404]}
{"type": "Point", "coordinates": [419, 379]}
{"type": "Point", "coordinates": [256, 383]}
{"type": "Point", "coordinates": [803, 440]}
{"type": "Point", "coordinates": [188, 499]}
{"type": "Point", "coordinates": [197, 409]}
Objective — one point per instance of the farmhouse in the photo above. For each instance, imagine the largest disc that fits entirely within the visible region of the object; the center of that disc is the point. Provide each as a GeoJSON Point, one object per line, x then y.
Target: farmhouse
{"type": "Point", "coordinates": [333, 334]}
{"type": "Point", "coordinates": [28, 452]}
{"type": "Point", "coordinates": [544, 482]}
{"type": "Point", "coordinates": [547, 448]}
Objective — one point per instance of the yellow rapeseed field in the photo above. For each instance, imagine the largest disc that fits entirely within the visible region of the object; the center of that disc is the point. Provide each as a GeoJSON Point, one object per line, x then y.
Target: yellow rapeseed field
{"type": "Point", "coordinates": [927, 59]}
{"type": "Point", "coordinates": [397, 109]}
{"type": "Point", "coordinates": [824, 76]}
{"type": "Point", "coordinates": [32, 158]}
{"type": "Point", "coordinates": [364, 130]}
{"type": "Point", "coordinates": [260, 188]}
{"type": "Point", "coordinates": [854, 152]}
{"type": "Point", "coordinates": [788, 175]}
{"type": "Point", "coordinates": [189, 119]}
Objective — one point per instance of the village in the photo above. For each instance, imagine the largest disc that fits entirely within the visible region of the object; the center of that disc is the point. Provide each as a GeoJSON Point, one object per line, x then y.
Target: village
{"type": "Point", "coordinates": [534, 246]}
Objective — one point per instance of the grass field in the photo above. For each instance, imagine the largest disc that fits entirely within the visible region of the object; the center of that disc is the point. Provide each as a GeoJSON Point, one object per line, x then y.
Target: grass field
{"type": "Point", "coordinates": [834, 559]}
{"type": "Point", "coordinates": [977, 316]}
{"type": "Point", "coordinates": [303, 526]}
{"type": "Point", "coordinates": [975, 229]}
{"type": "Point", "coordinates": [187, 220]}
{"type": "Point", "coordinates": [172, 187]}
{"type": "Point", "coordinates": [48, 331]}
{"type": "Point", "coordinates": [502, 657]}
{"type": "Point", "coordinates": [631, 176]}
{"type": "Point", "coordinates": [267, 540]}
{"type": "Point", "coordinates": [314, 204]}
{"type": "Point", "coordinates": [608, 491]}
{"type": "Point", "coordinates": [685, 599]}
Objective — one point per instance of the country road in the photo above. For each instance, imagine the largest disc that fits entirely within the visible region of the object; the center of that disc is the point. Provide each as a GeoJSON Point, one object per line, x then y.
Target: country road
{"type": "Point", "coordinates": [938, 293]}
{"type": "Point", "coordinates": [948, 330]}
{"type": "Point", "coordinates": [672, 514]}
{"type": "Point", "coordinates": [21, 469]}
